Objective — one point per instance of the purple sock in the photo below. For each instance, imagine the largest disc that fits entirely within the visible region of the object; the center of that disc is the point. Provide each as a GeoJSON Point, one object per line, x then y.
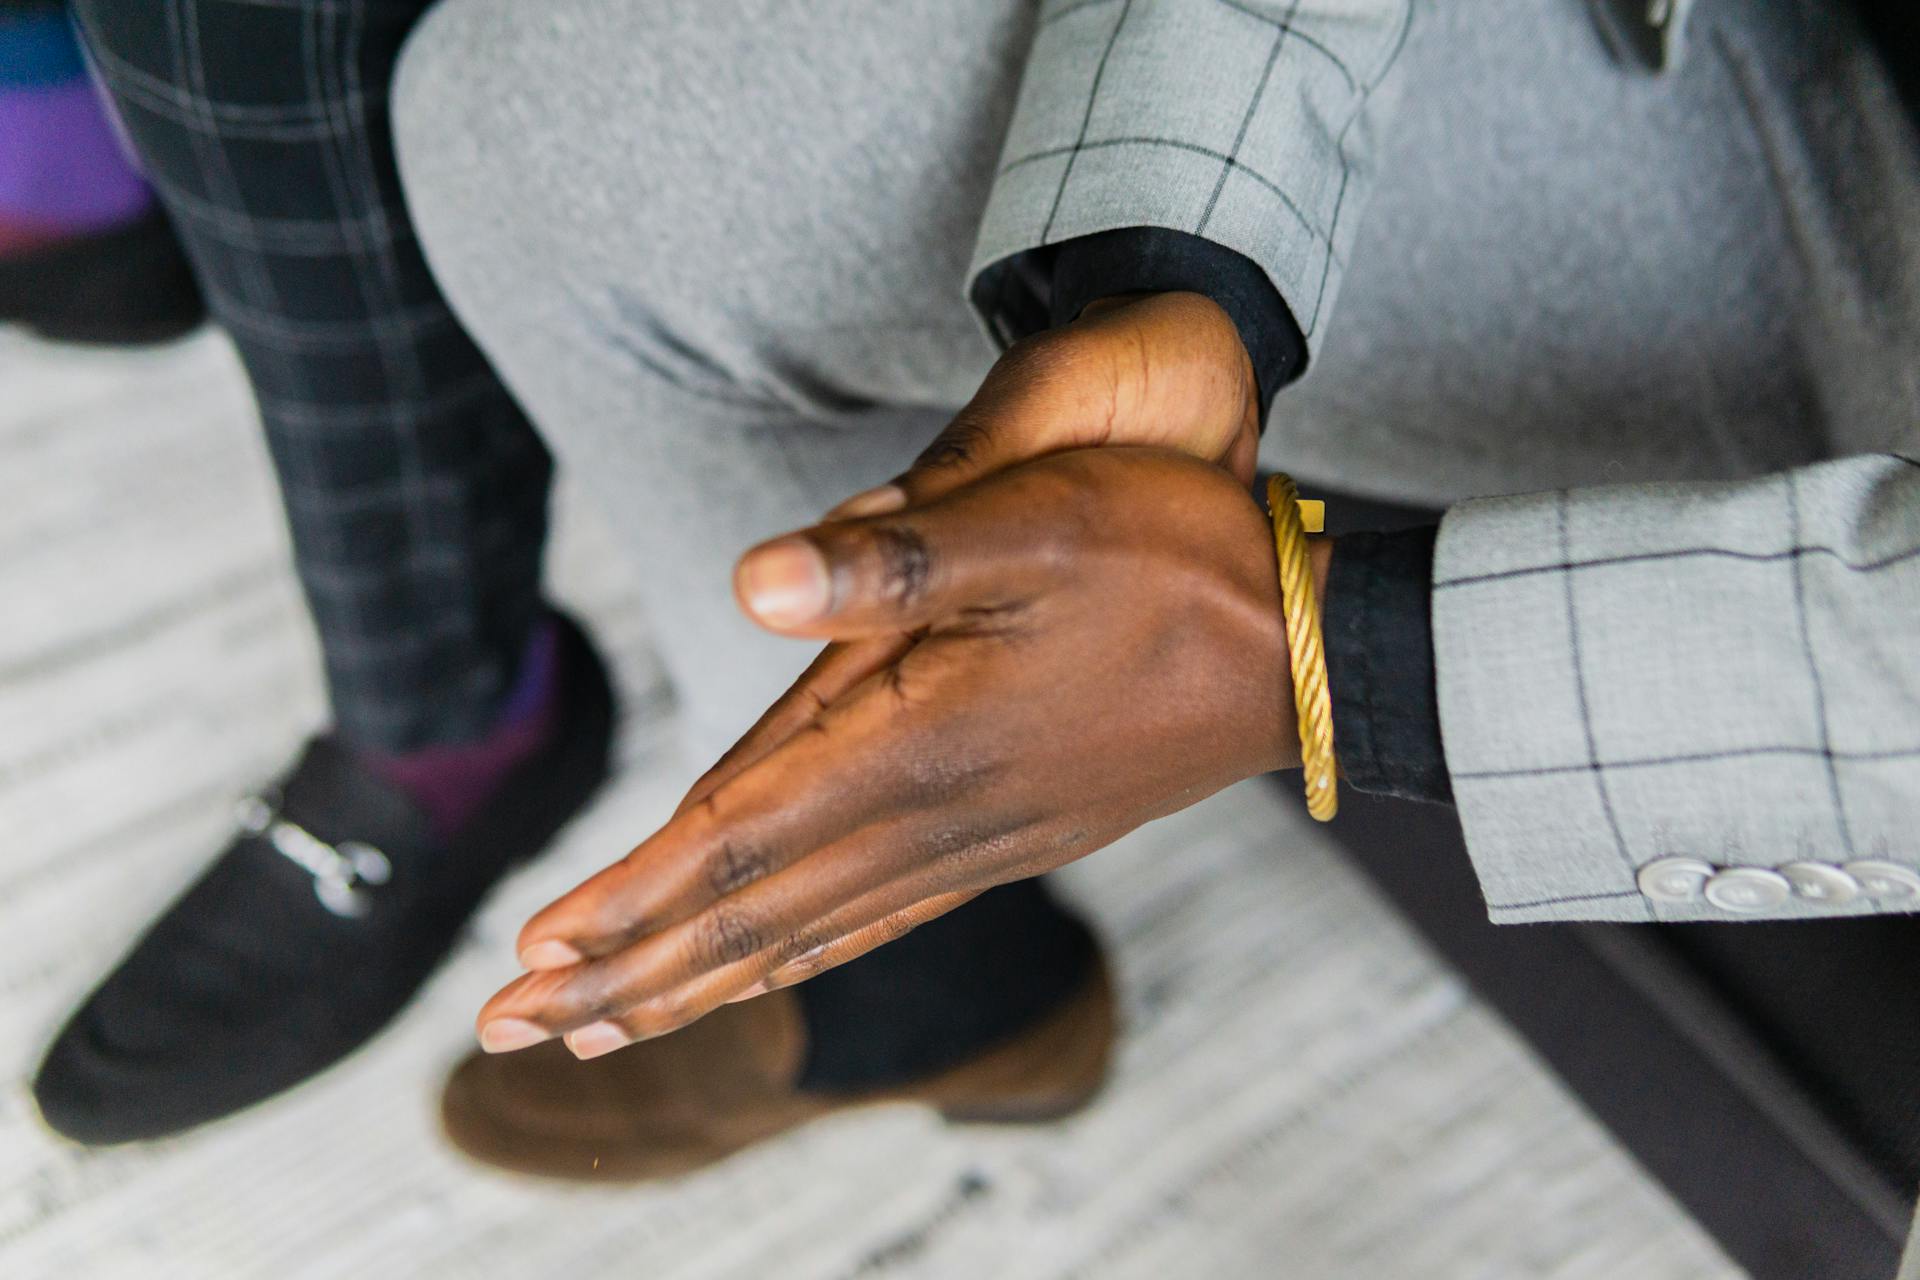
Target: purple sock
{"type": "Point", "coordinates": [450, 783]}
{"type": "Point", "coordinates": [63, 171]}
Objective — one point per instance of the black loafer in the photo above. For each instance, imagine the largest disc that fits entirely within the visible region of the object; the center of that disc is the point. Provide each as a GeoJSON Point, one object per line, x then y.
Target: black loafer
{"type": "Point", "coordinates": [332, 906]}
{"type": "Point", "coordinates": [129, 287]}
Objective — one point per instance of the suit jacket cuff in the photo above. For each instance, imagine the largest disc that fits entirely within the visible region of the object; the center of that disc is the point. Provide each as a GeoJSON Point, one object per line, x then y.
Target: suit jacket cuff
{"type": "Point", "coordinates": [1123, 121]}
{"type": "Point", "coordinates": [1379, 643]}
{"type": "Point", "coordinates": [1722, 672]}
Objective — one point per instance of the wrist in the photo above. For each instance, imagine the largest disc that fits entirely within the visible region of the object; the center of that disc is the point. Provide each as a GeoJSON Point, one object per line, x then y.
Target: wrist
{"type": "Point", "coordinates": [1157, 260]}
{"type": "Point", "coordinates": [1178, 361]}
{"type": "Point", "coordinates": [1208, 334]}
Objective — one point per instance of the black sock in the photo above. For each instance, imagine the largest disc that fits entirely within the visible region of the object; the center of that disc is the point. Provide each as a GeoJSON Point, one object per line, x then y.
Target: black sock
{"type": "Point", "coordinates": [952, 988]}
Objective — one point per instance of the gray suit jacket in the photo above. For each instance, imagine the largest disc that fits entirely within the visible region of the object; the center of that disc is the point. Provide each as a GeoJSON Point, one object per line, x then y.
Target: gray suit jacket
{"type": "Point", "coordinates": [1659, 701]}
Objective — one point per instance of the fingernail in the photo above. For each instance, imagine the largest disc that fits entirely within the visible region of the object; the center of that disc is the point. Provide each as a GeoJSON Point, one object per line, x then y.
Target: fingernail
{"type": "Point", "coordinates": [757, 989]}
{"type": "Point", "coordinates": [596, 1040]}
{"type": "Point", "coordinates": [874, 502]}
{"type": "Point", "coordinates": [785, 582]}
{"type": "Point", "coordinates": [504, 1035]}
{"type": "Point", "coordinates": [549, 955]}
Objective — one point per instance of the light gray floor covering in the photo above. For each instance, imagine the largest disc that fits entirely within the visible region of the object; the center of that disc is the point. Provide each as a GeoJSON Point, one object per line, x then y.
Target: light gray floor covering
{"type": "Point", "coordinates": [1303, 1090]}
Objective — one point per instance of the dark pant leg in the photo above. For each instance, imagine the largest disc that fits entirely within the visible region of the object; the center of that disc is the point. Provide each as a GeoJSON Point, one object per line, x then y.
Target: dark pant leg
{"type": "Point", "coordinates": [415, 489]}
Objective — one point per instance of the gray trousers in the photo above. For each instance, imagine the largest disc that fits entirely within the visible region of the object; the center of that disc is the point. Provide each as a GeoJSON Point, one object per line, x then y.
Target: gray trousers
{"type": "Point", "coordinates": [719, 253]}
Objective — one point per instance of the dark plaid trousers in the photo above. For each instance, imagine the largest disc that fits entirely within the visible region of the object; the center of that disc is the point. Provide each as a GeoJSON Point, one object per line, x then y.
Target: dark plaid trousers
{"type": "Point", "coordinates": [415, 488]}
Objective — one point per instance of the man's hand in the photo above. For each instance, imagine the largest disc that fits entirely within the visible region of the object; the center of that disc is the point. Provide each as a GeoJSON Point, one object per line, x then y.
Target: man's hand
{"type": "Point", "coordinates": [1021, 672]}
{"type": "Point", "coordinates": [1165, 369]}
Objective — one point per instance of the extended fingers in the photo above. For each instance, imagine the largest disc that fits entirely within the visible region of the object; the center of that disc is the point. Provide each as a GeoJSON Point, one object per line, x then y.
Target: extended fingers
{"type": "Point", "coordinates": [838, 903]}
{"type": "Point", "coordinates": [838, 669]}
{"type": "Point", "coordinates": [1161, 369]}
{"type": "Point", "coordinates": [854, 934]}
{"type": "Point", "coordinates": [860, 763]}
{"type": "Point", "coordinates": [598, 1020]}
{"type": "Point", "coordinates": [672, 977]}
{"type": "Point", "coordinates": [542, 1006]}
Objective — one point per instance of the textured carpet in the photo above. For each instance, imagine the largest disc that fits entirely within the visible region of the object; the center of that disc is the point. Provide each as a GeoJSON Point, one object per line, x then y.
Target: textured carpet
{"type": "Point", "coordinates": [1303, 1090]}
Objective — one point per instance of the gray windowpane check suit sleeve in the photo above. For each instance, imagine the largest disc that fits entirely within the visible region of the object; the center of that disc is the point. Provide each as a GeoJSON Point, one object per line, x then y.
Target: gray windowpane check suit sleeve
{"type": "Point", "coordinates": [1721, 672]}
{"type": "Point", "coordinates": [1251, 123]}
{"type": "Point", "coordinates": [1718, 682]}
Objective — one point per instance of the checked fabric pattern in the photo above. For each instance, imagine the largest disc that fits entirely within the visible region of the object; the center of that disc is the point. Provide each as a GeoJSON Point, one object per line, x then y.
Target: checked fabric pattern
{"type": "Point", "coordinates": [1729, 672]}
{"type": "Point", "coordinates": [415, 489]}
{"type": "Point", "coordinates": [1252, 123]}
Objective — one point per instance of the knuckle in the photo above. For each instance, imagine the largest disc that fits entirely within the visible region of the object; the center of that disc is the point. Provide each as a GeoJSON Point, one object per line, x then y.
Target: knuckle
{"type": "Point", "coordinates": [816, 703]}
{"type": "Point", "coordinates": [800, 968]}
{"type": "Point", "coordinates": [825, 954]}
{"type": "Point", "coordinates": [1079, 511]}
{"type": "Point", "coordinates": [903, 562]}
{"type": "Point", "coordinates": [968, 856]}
{"type": "Point", "coordinates": [735, 863]}
{"type": "Point", "coordinates": [1081, 486]}
{"type": "Point", "coordinates": [670, 1011]}
{"type": "Point", "coordinates": [961, 848]}
{"type": "Point", "coordinates": [657, 1016]}
{"type": "Point", "coordinates": [803, 946]}
{"type": "Point", "coordinates": [707, 811]}
{"type": "Point", "coordinates": [896, 928]}
{"type": "Point", "coordinates": [964, 439]}
{"type": "Point", "coordinates": [903, 691]}
{"type": "Point", "coordinates": [601, 999]}
{"type": "Point", "coordinates": [727, 935]}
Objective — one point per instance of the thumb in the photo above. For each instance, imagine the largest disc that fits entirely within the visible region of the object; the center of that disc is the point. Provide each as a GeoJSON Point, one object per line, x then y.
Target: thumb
{"type": "Point", "coordinates": [1016, 416]}
{"type": "Point", "coordinates": [1063, 389]}
{"type": "Point", "coordinates": [848, 579]}
{"type": "Point", "coordinates": [1163, 369]}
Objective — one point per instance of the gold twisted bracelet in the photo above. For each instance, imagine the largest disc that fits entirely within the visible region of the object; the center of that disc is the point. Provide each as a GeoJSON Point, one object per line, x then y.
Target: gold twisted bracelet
{"type": "Point", "coordinates": [1293, 519]}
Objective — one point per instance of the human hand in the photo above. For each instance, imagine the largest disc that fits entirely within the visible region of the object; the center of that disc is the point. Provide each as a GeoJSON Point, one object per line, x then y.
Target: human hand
{"type": "Point", "coordinates": [1022, 672]}
{"type": "Point", "coordinates": [1166, 369]}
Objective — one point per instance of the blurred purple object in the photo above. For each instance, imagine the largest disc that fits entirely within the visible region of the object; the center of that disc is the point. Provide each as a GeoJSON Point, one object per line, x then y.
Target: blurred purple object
{"type": "Point", "coordinates": [62, 167]}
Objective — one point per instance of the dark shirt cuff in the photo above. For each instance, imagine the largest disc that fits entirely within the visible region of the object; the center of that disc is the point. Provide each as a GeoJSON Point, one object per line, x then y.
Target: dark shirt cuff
{"type": "Point", "coordinates": [1156, 260]}
{"type": "Point", "coordinates": [1379, 639]}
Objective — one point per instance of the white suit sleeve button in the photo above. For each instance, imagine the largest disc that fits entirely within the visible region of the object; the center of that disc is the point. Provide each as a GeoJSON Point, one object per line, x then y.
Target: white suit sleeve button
{"type": "Point", "coordinates": [1674, 880]}
{"type": "Point", "coordinates": [1821, 882]}
{"type": "Point", "coordinates": [1887, 881]}
{"type": "Point", "coordinates": [1748, 890]}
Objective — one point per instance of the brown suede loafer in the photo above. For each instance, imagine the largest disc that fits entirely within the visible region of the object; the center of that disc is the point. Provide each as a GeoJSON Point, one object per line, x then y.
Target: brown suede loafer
{"type": "Point", "coordinates": [666, 1107]}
